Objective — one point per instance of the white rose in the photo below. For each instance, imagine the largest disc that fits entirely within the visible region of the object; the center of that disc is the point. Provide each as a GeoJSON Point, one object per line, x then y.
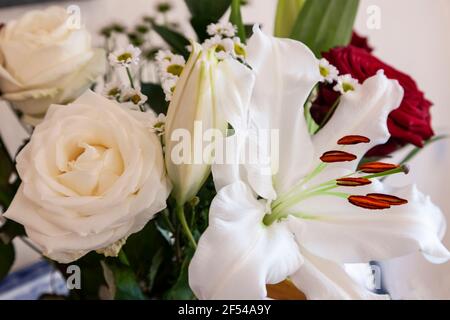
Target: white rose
{"type": "Point", "coordinates": [44, 60]}
{"type": "Point", "coordinates": [92, 174]}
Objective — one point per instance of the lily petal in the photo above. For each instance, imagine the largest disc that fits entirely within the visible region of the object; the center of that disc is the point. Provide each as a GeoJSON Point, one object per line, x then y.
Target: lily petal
{"type": "Point", "coordinates": [347, 234]}
{"type": "Point", "coordinates": [286, 72]}
{"type": "Point", "coordinates": [320, 279]}
{"type": "Point", "coordinates": [362, 112]}
{"type": "Point", "coordinates": [237, 255]}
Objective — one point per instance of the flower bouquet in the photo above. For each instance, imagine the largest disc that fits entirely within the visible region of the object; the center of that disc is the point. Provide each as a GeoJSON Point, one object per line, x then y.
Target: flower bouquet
{"type": "Point", "coordinates": [235, 164]}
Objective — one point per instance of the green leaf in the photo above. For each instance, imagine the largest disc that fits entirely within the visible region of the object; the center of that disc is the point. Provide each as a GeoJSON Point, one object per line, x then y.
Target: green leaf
{"type": "Point", "coordinates": [205, 12]}
{"type": "Point", "coordinates": [174, 39]}
{"type": "Point", "coordinates": [181, 290]}
{"type": "Point", "coordinates": [325, 24]}
{"type": "Point", "coordinates": [156, 97]}
{"type": "Point", "coordinates": [7, 188]}
{"type": "Point", "coordinates": [154, 267]}
{"type": "Point", "coordinates": [91, 276]}
{"type": "Point", "coordinates": [236, 19]}
{"type": "Point", "coordinates": [9, 230]}
{"type": "Point", "coordinates": [287, 12]}
{"type": "Point", "coordinates": [141, 248]}
{"type": "Point", "coordinates": [248, 30]}
{"type": "Point", "coordinates": [121, 281]}
{"type": "Point", "coordinates": [7, 256]}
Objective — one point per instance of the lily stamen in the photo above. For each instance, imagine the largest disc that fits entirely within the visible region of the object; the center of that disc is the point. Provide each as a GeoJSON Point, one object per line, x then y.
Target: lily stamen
{"type": "Point", "coordinates": [352, 182]}
{"type": "Point", "coordinates": [391, 200]}
{"type": "Point", "coordinates": [377, 167]}
{"type": "Point", "coordinates": [337, 156]}
{"type": "Point", "coordinates": [368, 203]}
{"type": "Point", "coordinates": [353, 139]}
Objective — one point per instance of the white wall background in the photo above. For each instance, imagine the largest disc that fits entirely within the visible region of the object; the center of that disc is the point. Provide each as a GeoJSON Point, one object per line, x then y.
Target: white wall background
{"type": "Point", "coordinates": [414, 37]}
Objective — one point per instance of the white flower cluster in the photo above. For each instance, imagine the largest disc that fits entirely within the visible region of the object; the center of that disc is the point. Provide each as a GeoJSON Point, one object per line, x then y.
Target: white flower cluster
{"type": "Point", "coordinates": [330, 74]}
{"type": "Point", "coordinates": [129, 96]}
{"type": "Point", "coordinates": [170, 66]}
{"type": "Point", "coordinates": [224, 40]}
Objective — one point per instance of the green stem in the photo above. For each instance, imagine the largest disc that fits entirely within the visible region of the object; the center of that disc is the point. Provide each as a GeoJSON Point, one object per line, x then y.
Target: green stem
{"type": "Point", "coordinates": [165, 215]}
{"type": "Point", "coordinates": [400, 169]}
{"type": "Point", "coordinates": [130, 77]}
{"type": "Point", "coordinates": [184, 225]}
{"type": "Point", "coordinates": [416, 150]}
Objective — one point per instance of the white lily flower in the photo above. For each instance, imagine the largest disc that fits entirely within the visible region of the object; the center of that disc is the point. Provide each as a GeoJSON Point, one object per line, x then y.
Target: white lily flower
{"type": "Point", "coordinates": [300, 223]}
{"type": "Point", "coordinates": [207, 90]}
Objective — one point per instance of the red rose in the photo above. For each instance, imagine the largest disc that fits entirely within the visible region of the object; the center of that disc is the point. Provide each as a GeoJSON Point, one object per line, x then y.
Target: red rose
{"type": "Point", "coordinates": [360, 42]}
{"type": "Point", "coordinates": [410, 123]}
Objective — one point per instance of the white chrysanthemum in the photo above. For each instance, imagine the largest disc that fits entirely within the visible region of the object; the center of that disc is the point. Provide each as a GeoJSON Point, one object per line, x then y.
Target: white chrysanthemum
{"type": "Point", "coordinates": [164, 55]}
{"type": "Point", "coordinates": [125, 57]}
{"type": "Point", "coordinates": [159, 124]}
{"type": "Point", "coordinates": [224, 47]}
{"type": "Point", "coordinates": [222, 29]}
{"type": "Point", "coordinates": [240, 49]}
{"type": "Point", "coordinates": [113, 90]}
{"type": "Point", "coordinates": [134, 96]}
{"type": "Point", "coordinates": [328, 72]}
{"type": "Point", "coordinates": [168, 85]}
{"type": "Point", "coordinates": [346, 83]}
{"type": "Point", "coordinates": [171, 68]}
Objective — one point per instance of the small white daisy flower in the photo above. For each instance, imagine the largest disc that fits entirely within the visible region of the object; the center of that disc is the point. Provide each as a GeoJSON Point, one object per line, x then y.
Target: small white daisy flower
{"type": "Point", "coordinates": [171, 68]}
{"type": "Point", "coordinates": [134, 96]}
{"type": "Point", "coordinates": [113, 90]}
{"type": "Point", "coordinates": [239, 48]}
{"type": "Point", "coordinates": [159, 124]}
{"type": "Point", "coordinates": [168, 86]}
{"type": "Point", "coordinates": [164, 55]}
{"type": "Point", "coordinates": [346, 83]}
{"type": "Point", "coordinates": [328, 72]}
{"type": "Point", "coordinates": [125, 57]}
{"type": "Point", "coordinates": [224, 47]}
{"type": "Point", "coordinates": [222, 29]}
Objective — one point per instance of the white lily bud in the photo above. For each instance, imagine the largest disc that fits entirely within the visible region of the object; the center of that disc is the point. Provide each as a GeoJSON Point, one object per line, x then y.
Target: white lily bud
{"type": "Point", "coordinates": [191, 112]}
{"type": "Point", "coordinates": [197, 117]}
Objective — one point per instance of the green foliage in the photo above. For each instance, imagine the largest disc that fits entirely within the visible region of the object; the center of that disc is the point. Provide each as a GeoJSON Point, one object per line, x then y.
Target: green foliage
{"type": "Point", "coordinates": [174, 39]}
{"type": "Point", "coordinates": [156, 97]}
{"type": "Point", "coordinates": [205, 12]}
{"type": "Point", "coordinates": [121, 281]}
{"type": "Point", "coordinates": [236, 19]}
{"type": "Point", "coordinates": [7, 256]}
{"type": "Point", "coordinates": [181, 290]}
{"type": "Point", "coordinates": [8, 188]}
{"type": "Point", "coordinates": [287, 12]}
{"type": "Point", "coordinates": [9, 230]}
{"type": "Point", "coordinates": [324, 24]}
{"type": "Point", "coordinates": [91, 277]}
